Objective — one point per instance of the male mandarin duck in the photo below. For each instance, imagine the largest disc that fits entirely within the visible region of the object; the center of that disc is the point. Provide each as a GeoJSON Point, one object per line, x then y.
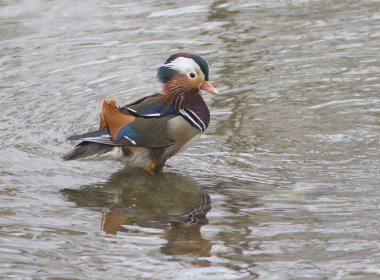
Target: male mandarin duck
{"type": "Point", "coordinates": [149, 131]}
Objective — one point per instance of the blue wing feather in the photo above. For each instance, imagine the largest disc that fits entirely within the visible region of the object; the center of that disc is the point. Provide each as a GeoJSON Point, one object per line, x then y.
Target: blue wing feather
{"type": "Point", "coordinates": [128, 131]}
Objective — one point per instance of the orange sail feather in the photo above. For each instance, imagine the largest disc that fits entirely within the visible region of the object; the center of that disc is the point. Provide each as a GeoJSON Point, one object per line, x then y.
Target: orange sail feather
{"type": "Point", "coordinates": [113, 118]}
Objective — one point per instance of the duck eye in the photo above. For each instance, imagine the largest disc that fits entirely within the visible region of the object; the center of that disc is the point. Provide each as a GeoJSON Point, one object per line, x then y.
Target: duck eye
{"type": "Point", "coordinates": [192, 75]}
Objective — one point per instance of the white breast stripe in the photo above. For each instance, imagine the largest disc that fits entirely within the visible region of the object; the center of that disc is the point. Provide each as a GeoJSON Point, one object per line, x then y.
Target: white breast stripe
{"type": "Point", "coordinates": [189, 118]}
{"type": "Point", "coordinates": [198, 118]}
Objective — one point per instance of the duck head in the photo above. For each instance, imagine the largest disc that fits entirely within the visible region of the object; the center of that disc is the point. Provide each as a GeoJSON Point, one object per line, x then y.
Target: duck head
{"type": "Point", "coordinates": [183, 76]}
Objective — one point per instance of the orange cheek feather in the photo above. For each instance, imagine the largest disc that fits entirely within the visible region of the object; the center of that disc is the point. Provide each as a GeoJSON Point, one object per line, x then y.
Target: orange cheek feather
{"type": "Point", "coordinates": [195, 83]}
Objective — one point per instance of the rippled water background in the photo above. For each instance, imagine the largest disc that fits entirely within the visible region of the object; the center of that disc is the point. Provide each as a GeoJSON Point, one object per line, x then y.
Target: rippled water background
{"type": "Point", "coordinates": [290, 164]}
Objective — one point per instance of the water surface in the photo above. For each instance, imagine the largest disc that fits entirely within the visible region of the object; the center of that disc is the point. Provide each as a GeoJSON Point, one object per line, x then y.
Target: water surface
{"type": "Point", "coordinates": [283, 185]}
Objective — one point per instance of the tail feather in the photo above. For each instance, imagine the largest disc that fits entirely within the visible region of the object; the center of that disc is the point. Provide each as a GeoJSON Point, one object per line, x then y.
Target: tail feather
{"type": "Point", "coordinates": [97, 133]}
{"type": "Point", "coordinates": [86, 149]}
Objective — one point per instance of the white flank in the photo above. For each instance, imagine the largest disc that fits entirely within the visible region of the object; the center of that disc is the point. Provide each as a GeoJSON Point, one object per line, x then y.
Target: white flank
{"type": "Point", "coordinates": [116, 153]}
{"type": "Point", "coordinates": [139, 157]}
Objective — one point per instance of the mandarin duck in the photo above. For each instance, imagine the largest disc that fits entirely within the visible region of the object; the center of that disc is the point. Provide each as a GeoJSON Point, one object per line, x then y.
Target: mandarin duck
{"type": "Point", "coordinates": [152, 129]}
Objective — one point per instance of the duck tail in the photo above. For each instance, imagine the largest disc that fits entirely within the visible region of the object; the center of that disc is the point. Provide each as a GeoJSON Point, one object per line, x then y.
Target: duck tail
{"type": "Point", "coordinates": [86, 149]}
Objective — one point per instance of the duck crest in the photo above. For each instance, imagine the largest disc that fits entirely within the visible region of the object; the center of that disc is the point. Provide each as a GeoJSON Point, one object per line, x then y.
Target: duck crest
{"type": "Point", "coordinates": [166, 71]}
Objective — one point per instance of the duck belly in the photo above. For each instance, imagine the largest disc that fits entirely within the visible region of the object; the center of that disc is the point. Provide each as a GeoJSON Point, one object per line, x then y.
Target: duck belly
{"type": "Point", "coordinates": [135, 156]}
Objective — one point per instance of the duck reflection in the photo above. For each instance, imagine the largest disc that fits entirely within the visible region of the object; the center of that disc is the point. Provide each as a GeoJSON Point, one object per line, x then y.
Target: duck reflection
{"type": "Point", "coordinates": [168, 201]}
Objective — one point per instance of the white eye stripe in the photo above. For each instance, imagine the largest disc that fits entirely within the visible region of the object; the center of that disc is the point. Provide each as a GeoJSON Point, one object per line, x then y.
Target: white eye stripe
{"type": "Point", "coordinates": [184, 65]}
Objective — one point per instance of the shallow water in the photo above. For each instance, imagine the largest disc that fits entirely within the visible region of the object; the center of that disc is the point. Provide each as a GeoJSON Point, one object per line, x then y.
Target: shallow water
{"type": "Point", "coordinates": [289, 165]}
